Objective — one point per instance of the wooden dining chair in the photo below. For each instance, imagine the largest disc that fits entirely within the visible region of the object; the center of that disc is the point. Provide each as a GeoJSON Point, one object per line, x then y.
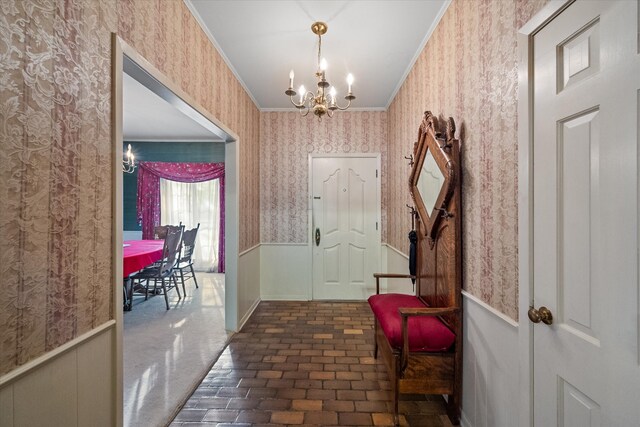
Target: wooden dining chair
{"type": "Point", "coordinates": [185, 261]}
{"type": "Point", "coordinates": [164, 271]}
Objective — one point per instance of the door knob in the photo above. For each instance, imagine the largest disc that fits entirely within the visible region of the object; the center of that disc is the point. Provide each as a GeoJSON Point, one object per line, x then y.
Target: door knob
{"type": "Point", "coordinates": [543, 314]}
{"type": "Point", "coordinates": [317, 237]}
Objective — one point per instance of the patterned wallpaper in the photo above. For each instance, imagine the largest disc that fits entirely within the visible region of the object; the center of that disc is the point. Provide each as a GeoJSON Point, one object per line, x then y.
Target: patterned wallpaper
{"type": "Point", "coordinates": [468, 70]}
{"type": "Point", "coordinates": [166, 34]}
{"type": "Point", "coordinates": [286, 140]}
{"type": "Point", "coordinates": [55, 156]}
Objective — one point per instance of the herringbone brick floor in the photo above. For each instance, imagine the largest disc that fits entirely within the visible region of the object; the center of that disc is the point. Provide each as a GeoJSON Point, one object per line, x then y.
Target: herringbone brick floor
{"type": "Point", "coordinates": [304, 363]}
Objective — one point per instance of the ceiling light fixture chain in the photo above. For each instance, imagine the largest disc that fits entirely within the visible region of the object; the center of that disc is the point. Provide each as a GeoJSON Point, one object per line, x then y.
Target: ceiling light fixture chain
{"type": "Point", "coordinates": [319, 102]}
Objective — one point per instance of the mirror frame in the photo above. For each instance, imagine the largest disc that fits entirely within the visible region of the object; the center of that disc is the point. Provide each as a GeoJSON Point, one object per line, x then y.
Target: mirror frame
{"type": "Point", "coordinates": [430, 140]}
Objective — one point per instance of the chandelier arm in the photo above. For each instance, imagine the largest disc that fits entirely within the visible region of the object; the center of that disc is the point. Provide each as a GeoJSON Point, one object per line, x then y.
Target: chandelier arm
{"type": "Point", "coordinates": [343, 108]}
{"type": "Point", "coordinates": [301, 105]}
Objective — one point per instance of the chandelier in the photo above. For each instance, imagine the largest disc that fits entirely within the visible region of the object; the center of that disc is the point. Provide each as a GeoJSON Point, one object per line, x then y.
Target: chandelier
{"type": "Point", "coordinates": [128, 161]}
{"type": "Point", "coordinates": [320, 102]}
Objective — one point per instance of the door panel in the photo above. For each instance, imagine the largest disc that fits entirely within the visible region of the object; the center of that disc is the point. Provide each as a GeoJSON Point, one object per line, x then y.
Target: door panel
{"type": "Point", "coordinates": [578, 198]}
{"type": "Point", "coordinates": [356, 203]}
{"type": "Point", "coordinates": [331, 267]}
{"type": "Point", "coordinates": [330, 194]}
{"type": "Point", "coordinates": [585, 215]}
{"type": "Point", "coordinates": [576, 408]}
{"type": "Point", "coordinates": [345, 210]}
{"type": "Point", "coordinates": [357, 264]}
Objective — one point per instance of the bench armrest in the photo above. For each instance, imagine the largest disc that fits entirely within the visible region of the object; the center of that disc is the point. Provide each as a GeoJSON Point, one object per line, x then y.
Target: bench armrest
{"type": "Point", "coordinates": [427, 311]}
{"type": "Point", "coordinates": [379, 276]}
{"type": "Point", "coordinates": [405, 313]}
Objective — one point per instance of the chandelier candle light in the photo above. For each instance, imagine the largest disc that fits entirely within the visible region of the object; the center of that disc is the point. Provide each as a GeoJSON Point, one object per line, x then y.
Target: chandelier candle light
{"type": "Point", "coordinates": [320, 102]}
{"type": "Point", "coordinates": [128, 162]}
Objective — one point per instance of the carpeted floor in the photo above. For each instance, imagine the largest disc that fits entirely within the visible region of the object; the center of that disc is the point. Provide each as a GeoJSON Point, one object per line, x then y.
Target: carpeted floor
{"type": "Point", "coordinates": [167, 352]}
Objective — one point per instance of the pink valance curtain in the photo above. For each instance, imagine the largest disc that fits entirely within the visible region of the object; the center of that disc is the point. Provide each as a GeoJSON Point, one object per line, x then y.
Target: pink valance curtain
{"type": "Point", "coordinates": [148, 204]}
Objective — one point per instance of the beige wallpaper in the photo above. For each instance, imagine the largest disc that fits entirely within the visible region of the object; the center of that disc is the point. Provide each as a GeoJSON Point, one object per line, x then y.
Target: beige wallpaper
{"type": "Point", "coordinates": [55, 154]}
{"type": "Point", "coordinates": [286, 140]}
{"type": "Point", "coordinates": [468, 70]}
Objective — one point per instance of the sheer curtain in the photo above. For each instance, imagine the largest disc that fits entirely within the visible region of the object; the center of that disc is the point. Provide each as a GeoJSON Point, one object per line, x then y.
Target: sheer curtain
{"type": "Point", "coordinates": [194, 203]}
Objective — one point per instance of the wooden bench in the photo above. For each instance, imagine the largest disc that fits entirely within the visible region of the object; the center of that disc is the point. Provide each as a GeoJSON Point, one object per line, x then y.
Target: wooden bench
{"type": "Point", "coordinates": [420, 336]}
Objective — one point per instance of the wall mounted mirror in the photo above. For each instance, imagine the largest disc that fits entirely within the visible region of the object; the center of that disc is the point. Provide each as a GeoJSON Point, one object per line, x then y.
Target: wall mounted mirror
{"type": "Point", "coordinates": [430, 182]}
{"type": "Point", "coordinates": [432, 177]}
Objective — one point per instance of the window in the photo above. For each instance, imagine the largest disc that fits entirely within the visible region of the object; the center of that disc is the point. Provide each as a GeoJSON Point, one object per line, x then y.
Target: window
{"type": "Point", "coordinates": [193, 203]}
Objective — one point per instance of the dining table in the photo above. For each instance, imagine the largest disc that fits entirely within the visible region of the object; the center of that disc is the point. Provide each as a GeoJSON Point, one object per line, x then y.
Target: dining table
{"type": "Point", "coordinates": [136, 255]}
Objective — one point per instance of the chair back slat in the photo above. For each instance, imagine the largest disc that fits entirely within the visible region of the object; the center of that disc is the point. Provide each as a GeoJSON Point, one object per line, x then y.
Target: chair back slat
{"type": "Point", "coordinates": [188, 244]}
{"type": "Point", "coordinates": [171, 248]}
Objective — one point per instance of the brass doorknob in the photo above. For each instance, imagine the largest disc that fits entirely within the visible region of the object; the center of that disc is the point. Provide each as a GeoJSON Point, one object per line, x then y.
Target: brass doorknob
{"type": "Point", "coordinates": [543, 314]}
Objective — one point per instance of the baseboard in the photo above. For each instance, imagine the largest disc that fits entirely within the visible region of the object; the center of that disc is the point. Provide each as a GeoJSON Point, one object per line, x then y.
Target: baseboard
{"type": "Point", "coordinates": [285, 298]}
{"type": "Point", "coordinates": [248, 314]}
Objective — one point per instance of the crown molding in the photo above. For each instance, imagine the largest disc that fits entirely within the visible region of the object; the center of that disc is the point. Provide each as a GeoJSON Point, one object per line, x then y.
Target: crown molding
{"type": "Point", "coordinates": [426, 38]}
{"type": "Point", "coordinates": [213, 41]}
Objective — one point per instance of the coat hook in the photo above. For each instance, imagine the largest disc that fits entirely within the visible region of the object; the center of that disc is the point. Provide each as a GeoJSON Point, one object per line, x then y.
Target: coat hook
{"type": "Point", "coordinates": [446, 145]}
{"type": "Point", "coordinates": [410, 158]}
{"type": "Point", "coordinates": [445, 213]}
{"type": "Point", "coordinates": [413, 216]}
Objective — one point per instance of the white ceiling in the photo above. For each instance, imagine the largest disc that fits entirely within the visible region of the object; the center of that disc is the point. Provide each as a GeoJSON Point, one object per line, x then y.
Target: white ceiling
{"type": "Point", "coordinates": [376, 41]}
{"type": "Point", "coordinates": [147, 117]}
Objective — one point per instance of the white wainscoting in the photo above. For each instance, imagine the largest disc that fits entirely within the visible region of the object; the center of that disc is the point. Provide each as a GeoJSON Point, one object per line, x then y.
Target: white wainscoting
{"type": "Point", "coordinates": [285, 272]}
{"type": "Point", "coordinates": [490, 387]}
{"type": "Point", "coordinates": [71, 386]}
{"type": "Point", "coordinates": [248, 283]}
{"type": "Point", "coordinates": [396, 262]}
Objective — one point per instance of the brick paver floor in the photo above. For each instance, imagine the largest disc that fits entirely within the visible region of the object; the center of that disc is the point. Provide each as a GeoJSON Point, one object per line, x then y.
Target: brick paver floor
{"type": "Point", "coordinates": [304, 363]}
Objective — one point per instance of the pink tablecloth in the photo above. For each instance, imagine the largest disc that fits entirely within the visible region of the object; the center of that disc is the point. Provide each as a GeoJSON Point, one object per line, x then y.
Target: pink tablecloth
{"type": "Point", "coordinates": [137, 254]}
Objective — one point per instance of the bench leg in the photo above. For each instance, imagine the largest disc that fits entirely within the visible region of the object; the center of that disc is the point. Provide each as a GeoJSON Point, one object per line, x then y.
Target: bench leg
{"type": "Point", "coordinates": [375, 339]}
{"type": "Point", "coordinates": [396, 391]}
{"type": "Point", "coordinates": [453, 409]}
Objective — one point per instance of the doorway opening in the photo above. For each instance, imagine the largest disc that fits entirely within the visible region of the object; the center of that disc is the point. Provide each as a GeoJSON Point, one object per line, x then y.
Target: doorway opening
{"type": "Point", "coordinates": [159, 349]}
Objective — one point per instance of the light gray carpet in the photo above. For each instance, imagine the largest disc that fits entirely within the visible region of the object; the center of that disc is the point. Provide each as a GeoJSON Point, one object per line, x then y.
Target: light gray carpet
{"type": "Point", "coordinates": [168, 352]}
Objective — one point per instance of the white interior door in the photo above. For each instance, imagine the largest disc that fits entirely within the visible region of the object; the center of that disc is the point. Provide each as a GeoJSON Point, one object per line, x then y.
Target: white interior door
{"type": "Point", "coordinates": [585, 215]}
{"type": "Point", "coordinates": [345, 235]}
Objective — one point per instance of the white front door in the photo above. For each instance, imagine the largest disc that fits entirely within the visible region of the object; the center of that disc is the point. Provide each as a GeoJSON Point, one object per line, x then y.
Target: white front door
{"type": "Point", "coordinates": [585, 216]}
{"type": "Point", "coordinates": [345, 230]}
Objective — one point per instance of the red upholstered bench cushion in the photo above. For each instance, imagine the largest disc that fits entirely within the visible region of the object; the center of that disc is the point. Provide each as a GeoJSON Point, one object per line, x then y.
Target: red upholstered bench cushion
{"type": "Point", "coordinates": [426, 333]}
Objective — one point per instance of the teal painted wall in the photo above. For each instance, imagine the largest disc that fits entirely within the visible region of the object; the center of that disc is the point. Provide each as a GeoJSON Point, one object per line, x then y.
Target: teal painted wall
{"type": "Point", "coordinates": [162, 152]}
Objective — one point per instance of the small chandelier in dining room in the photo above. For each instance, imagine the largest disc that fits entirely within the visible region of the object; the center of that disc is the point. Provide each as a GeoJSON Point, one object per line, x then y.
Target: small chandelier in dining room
{"type": "Point", "coordinates": [320, 102]}
{"type": "Point", "coordinates": [128, 161]}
